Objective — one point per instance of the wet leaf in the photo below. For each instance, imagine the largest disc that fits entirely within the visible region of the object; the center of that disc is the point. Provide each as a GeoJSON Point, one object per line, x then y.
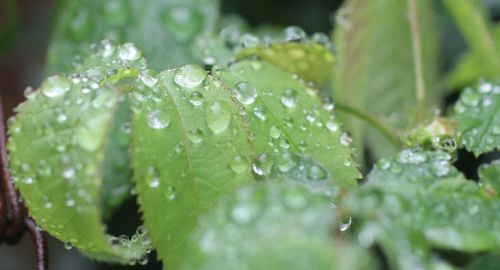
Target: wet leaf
{"type": "Point", "coordinates": [478, 115]}
{"type": "Point", "coordinates": [286, 117]}
{"type": "Point", "coordinates": [59, 145]}
{"type": "Point", "coordinates": [272, 226]}
{"type": "Point", "coordinates": [375, 70]}
{"type": "Point", "coordinates": [416, 201]}
{"type": "Point", "coordinates": [489, 174]}
{"type": "Point", "coordinates": [190, 145]}
{"type": "Point", "coordinates": [164, 29]}
{"type": "Point", "coordinates": [309, 58]}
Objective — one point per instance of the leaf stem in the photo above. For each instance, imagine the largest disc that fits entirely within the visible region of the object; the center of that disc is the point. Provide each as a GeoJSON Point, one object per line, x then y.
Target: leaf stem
{"type": "Point", "coordinates": [393, 138]}
{"type": "Point", "coordinates": [417, 58]}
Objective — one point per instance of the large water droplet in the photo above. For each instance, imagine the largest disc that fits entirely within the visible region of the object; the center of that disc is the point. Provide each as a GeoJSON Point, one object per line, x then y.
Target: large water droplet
{"type": "Point", "coordinates": [245, 93]}
{"type": "Point", "coordinates": [55, 86]}
{"type": "Point", "coordinates": [218, 117]}
{"type": "Point", "coordinates": [158, 119]}
{"type": "Point", "coordinates": [189, 76]}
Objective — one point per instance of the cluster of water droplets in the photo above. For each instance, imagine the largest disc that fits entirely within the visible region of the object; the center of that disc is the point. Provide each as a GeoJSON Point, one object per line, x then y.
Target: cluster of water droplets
{"type": "Point", "coordinates": [257, 216]}
{"type": "Point", "coordinates": [478, 105]}
{"type": "Point", "coordinates": [137, 247]}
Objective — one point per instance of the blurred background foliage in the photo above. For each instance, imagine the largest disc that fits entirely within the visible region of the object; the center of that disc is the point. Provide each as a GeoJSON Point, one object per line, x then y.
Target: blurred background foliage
{"type": "Point", "coordinates": [25, 30]}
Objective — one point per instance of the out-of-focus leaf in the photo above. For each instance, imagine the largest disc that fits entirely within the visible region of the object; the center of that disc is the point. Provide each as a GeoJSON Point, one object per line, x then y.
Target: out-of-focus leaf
{"type": "Point", "coordinates": [286, 117]}
{"type": "Point", "coordinates": [478, 115]}
{"type": "Point", "coordinates": [190, 145]}
{"type": "Point", "coordinates": [57, 151]}
{"type": "Point", "coordinates": [375, 68]}
{"type": "Point", "coordinates": [484, 262]}
{"type": "Point", "coordinates": [483, 58]}
{"type": "Point", "coordinates": [418, 200]}
{"type": "Point", "coordinates": [272, 226]}
{"type": "Point", "coordinates": [164, 29]}
{"type": "Point", "coordinates": [489, 175]}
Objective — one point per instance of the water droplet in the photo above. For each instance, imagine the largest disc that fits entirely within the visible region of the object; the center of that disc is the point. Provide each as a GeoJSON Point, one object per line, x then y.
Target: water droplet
{"type": "Point", "coordinates": [302, 146]}
{"type": "Point", "coordinates": [28, 180]}
{"type": "Point", "coordinates": [316, 172]}
{"type": "Point", "coordinates": [189, 76]}
{"type": "Point", "coordinates": [245, 93]}
{"type": "Point", "coordinates": [195, 136]}
{"type": "Point", "coordinates": [143, 260]}
{"type": "Point", "coordinates": [249, 40]}
{"type": "Point", "coordinates": [384, 164]}
{"type": "Point", "coordinates": [68, 246]}
{"type": "Point", "coordinates": [243, 213]}
{"type": "Point", "coordinates": [70, 202]}
{"type": "Point", "coordinates": [239, 164]}
{"type": "Point", "coordinates": [68, 173]}
{"type": "Point", "coordinates": [289, 98]}
{"type": "Point", "coordinates": [286, 162]}
{"type": "Point", "coordinates": [332, 126]}
{"type": "Point", "coordinates": [470, 98]}
{"type": "Point", "coordinates": [196, 98]}
{"type": "Point", "coordinates": [263, 165]}
{"type": "Point", "coordinates": [293, 33]}
{"type": "Point", "coordinates": [128, 52]}
{"type": "Point", "coordinates": [61, 118]}
{"type": "Point", "coordinates": [408, 156]}
{"type": "Point", "coordinates": [154, 182]}
{"type": "Point", "coordinates": [148, 78]}
{"type": "Point", "coordinates": [158, 119]}
{"type": "Point", "coordinates": [274, 132]}
{"type": "Point", "coordinates": [345, 225]}
{"type": "Point", "coordinates": [218, 117]}
{"type": "Point", "coordinates": [345, 139]}
{"type": "Point", "coordinates": [259, 112]}
{"type": "Point", "coordinates": [55, 86]}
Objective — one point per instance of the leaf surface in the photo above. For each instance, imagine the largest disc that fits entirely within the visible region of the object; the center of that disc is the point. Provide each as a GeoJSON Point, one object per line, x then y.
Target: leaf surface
{"type": "Point", "coordinates": [287, 116]}
{"type": "Point", "coordinates": [375, 69]}
{"type": "Point", "coordinates": [164, 29]}
{"type": "Point", "coordinates": [478, 115]}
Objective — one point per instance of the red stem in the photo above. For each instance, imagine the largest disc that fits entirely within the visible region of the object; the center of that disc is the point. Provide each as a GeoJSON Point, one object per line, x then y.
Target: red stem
{"type": "Point", "coordinates": [15, 227]}
{"type": "Point", "coordinates": [40, 244]}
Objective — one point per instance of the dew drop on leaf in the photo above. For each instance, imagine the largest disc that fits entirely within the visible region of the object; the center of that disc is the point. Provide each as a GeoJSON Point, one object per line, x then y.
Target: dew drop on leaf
{"type": "Point", "coordinates": [196, 98]}
{"type": "Point", "coordinates": [158, 119]}
{"type": "Point", "coordinates": [245, 93]}
{"type": "Point", "coordinates": [129, 52]}
{"type": "Point", "coordinates": [55, 86]}
{"type": "Point", "coordinates": [239, 164]}
{"type": "Point", "coordinates": [218, 117]}
{"type": "Point", "coordinates": [289, 98]}
{"type": "Point", "coordinates": [189, 76]}
{"type": "Point", "coordinates": [315, 172]}
{"type": "Point", "coordinates": [195, 136]}
{"type": "Point", "coordinates": [345, 139]}
{"type": "Point", "coordinates": [293, 33]}
{"type": "Point", "coordinates": [274, 132]}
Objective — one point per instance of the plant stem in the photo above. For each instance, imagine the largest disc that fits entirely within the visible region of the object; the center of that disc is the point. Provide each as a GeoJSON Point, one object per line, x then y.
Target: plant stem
{"type": "Point", "coordinates": [393, 138]}
{"type": "Point", "coordinates": [417, 58]}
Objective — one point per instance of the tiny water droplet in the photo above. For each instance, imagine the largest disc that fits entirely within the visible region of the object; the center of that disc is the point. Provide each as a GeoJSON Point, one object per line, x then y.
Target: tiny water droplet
{"type": "Point", "coordinates": [345, 225]}
{"type": "Point", "coordinates": [274, 132]}
{"type": "Point", "coordinates": [345, 139]}
{"type": "Point", "coordinates": [195, 136]}
{"type": "Point", "coordinates": [259, 112]}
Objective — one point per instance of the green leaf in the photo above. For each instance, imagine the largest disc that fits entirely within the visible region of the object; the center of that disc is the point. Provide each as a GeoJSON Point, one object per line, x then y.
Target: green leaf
{"type": "Point", "coordinates": [484, 262]}
{"type": "Point", "coordinates": [272, 226]}
{"type": "Point", "coordinates": [489, 174]}
{"type": "Point", "coordinates": [416, 200]}
{"type": "Point", "coordinates": [190, 145]}
{"type": "Point", "coordinates": [375, 68]}
{"type": "Point", "coordinates": [287, 116]}
{"type": "Point", "coordinates": [164, 29]}
{"type": "Point", "coordinates": [310, 59]}
{"type": "Point", "coordinates": [478, 115]}
{"type": "Point", "coordinates": [483, 59]}
{"type": "Point", "coordinates": [58, 146]}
